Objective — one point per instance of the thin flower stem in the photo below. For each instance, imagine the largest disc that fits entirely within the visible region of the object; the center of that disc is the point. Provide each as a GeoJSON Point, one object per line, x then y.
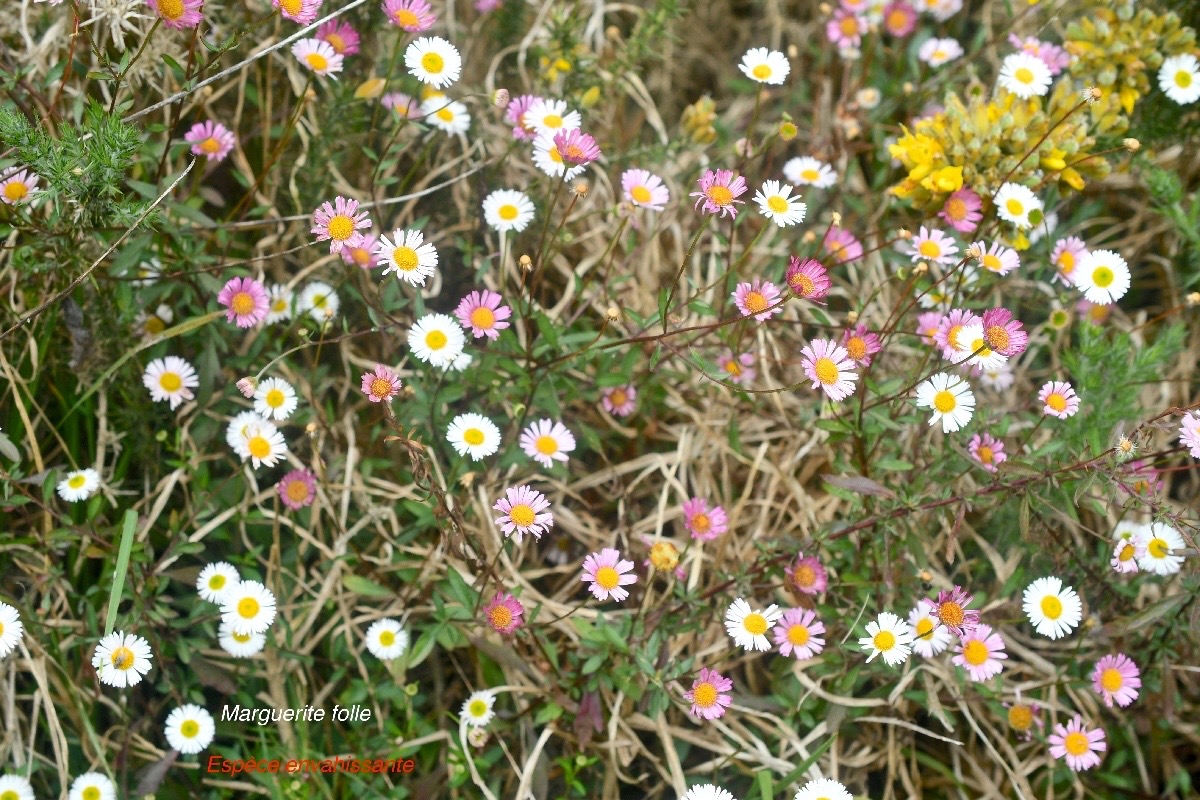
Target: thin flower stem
{"type": "Point", "coordinates": [683, 266]}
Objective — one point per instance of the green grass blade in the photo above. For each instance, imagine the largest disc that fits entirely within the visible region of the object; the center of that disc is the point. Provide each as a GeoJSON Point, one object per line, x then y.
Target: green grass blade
{"type": "Point", "coordinates": [114, 600]}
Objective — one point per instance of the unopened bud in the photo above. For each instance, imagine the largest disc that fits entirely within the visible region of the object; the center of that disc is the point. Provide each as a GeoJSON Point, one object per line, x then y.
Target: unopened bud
{"type": "Point", "coordinates": [613, 313]}
{"type": "Point", "coordinates": [908, 88]}
{"type": "Point", "coordinates": [851, 317]}
{"type": "Point", "coordinates": [975, 251]}
{"type": "Point", "coordinates": [310, 428]}
{"type": "Point", "coordinates": [788, 130]}
{"type": "Point", "coordinates": [809, 237]}
{"type": "Point", "coordinates": [1132, 145]}
{"type": "Point", "coordinates": [467, 479]}
{"type": "Point", "coordinates": [247, 386]}
{"type": "Point", "coordinates": [904, 233]}
{"type": "Point", "coordinates": [1193, 299]}
{"type": "Point", "coordinates": [500, 98]}
{"type": "Point", "coordinates": [920, 268]}
{"type": "Point", "coordinates": [836, 218]}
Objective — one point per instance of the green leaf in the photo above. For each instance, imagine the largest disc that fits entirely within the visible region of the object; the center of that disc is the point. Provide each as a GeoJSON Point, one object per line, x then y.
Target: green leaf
{"type": "Point", "coordinates": [894, 464]}
{"type": "Point", "coordinates": [114, 599]}
{"type": "Point", "coordinates": [766, 785]}
{"type": "Point", "coordinates": [803, 766]}
{"type": "Point", "coordinates": [549, 713]}
{"type": "Point", "coordinates": [365, 586]}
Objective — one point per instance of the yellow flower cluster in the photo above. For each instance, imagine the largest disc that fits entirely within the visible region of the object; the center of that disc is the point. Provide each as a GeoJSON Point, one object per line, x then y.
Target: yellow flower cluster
{"type": "Point", "coordinates": [1119, 48]}
{"type": "Point", "coordinates": [983, 142]}
{"type": "Point", "coordinates": [697, 121]}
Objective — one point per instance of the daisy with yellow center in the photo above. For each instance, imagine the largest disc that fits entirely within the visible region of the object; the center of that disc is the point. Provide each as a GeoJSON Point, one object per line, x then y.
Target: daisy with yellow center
{"type": "Point", "coordinates": [749, 626]}
{"type": "Point", "coordinates": [248, 607]}
{"type": "Point", "coordinates": [473, 435]}
{"type": "Point", "coordinates": [547, 441]}
{"type": "Point", "coordinates": [216, 579]}
{"type": "Point", "coordinates": [479, 709]}
{"type": "Point", "coordinates": [608, 574]}
{"type": "Point", "coordinates": [78, 485]}
{"type": "Point", "coordinates": [524, 511]}
{"type": "Point", "coordinates": [190, 729]}
{"type": "Point", "coordinates": [709, 694]}
{"type": "Point", "coordinates": [386, 639]}
{"type": "Point", "coordinates": [122, 659]}
{"type": "Point", "coordinates": [1054, 610]}
{"type": "Point", "coordinates": [16, 185]}
{"type": "Point", "coordinates": [319, 57]}
{"type": "Point", "coordinates": [765, 66]}
{"type": "Point", "coordinates": [888, 636]}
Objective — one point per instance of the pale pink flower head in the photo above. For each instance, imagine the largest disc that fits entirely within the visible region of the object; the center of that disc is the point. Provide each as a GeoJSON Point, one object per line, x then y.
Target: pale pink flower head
{"type": "Point", "coordinates": [339, 224]}
{"type": "Point", "coordinates": [949, 328]}
{"type": "Point", "coordinates": [1058, 399]}
{"type": "Point", "coordinates": [577, 148]}
{"type": "Point", "coordinates": [1189, 433]}
{"type": "Point", "coordinates": [962, 210]}
{"type": "Point", "coordinates": [1139, 478]}
{"type": "Point", "coordinates": [402, 104]}
{"type": "Point", "coordinates": [808, 279]}
{"type": "Point", "coordinates": [363, 255]}
{"type": "Point", "coordinates": [899, 18]}
{"type": "Point", "coordinates": [1054, 57]}
{"type": "Point", "coordinates": [798, 634]}
{"type": "Point", "coordinates": [644, 189]}
{"type": "Point", "coordinates": [608, 574]}
{"type": "Point", "coordinates": [409, 15]}
{"type": "Point", "coordinates": [487, 6]}
{"type": "Point", "coordinates": [1003, 333]}
{"type": "Point", "coordinates": [737, 369]}
{"type": "Point", "coordinates": [339, 35]}
{"type": "Point", "coordinates": [807, 575]}
{"type": "Point", "coordinates": [620, 401]}
{"type": "Point", "coordinates": [16, 185]}
{"type": "Point", "coordinates": [861, 344]}
{"type": "Point", "coordinates": [980, 652]}
{"type": "Point", "coordinates": [998, 258]}
{"type": "Point", "coordinates": [1078, 744]}
{"type": "Point", "coordinates": [483, 315]}
{"type": "Point", "coordinates": [178, 14]}
{"type": "Point", "coordinates": [846, 28]}
{"type": "Point", "coordinates": [987, 450]}
{"type": "Point", "coordinates": [504, 613]}
{"type": "Point", "coordinates": [841, 245]}
{"type": "Point", "coordinates": [1065, 257]}
{"type": "Point", "coordinates": [950, 608]}
{"type": "Point", "coordinates": [719, 190]}
{"type": "Point", "coordinates": [546, 441]}
{"type": "Point", "coordinates": [927, 326]}
{"type": "Point", "coordinates": [297, 489]}
{"type": "Point", "coordinates": [828, 366]}
{"type": "Point", "coordinates": [1117, 679]}
{"type": "Point", "coordinates": [301, 11]}
{"type": "Point", "coordinates": [247, 386]}
{"type": "Point", "coordinates": [702, 522]}
{"type": "Point", "coordinates": [709, 695]}
{"type": "Point", "coordinates": [1126, 554]}
{"type": "Point", "coordinates": [210, 139]}
{"type": "Point", "coordinates": [380, 385]}
{"type": "Point", "coordinates": [524, 512]}
{"type": "Point", "coordinates": [245, 301]}
{"type": "Point", "coordinates": [515, 115]}
{"type": "Point", "coordinates": [759, 299]}
{"type": "Point", "coordinates": [933, 245]}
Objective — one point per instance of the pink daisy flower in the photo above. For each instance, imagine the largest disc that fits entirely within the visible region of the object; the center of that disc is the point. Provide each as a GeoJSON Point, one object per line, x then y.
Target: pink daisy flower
{"type": "Point", "coordinates": [998, 258]}
{"type": "Point", "coordinates": [807, 575]}
{"type": "Point", "coordinates": [1054, 57]}
{"type": "Point", "coordinates": [644, 189]}
{"type": "Point", "coordinates": [1077, 744]}
{"type": "Point", "coordinates": [1093, 313]}
{"type": "Point", "coordinates": [1003, 333]}
{"type": "Point", "coordinates": [576, 147]}
{"type": "Point", "coordinates": [719, 190]}
{"type": "Point", "coordinates": [798, 634]}
{"type": "Point", "coordinates": [808, 279]}
{"type": "Point", "coordinates": [608, 574]}
{"type": "Point", "coordinates": [362, 255]}
{"type": "Point", "coordinates": [841, 245]}
{"type": "Point", "coordinates": [297, 489]}
{"type": "Point", "coordinates": [1067, 254]}
{"type": "Point", "coordinates": [487, 6]}
{"type": "Point", "coordinates": [339, 35]}
{"type": "Point", "coordinates": [524, 512]}
{"type": "Point", "coordinates": [178, 14]}
{"type": "Point", "coordinates": [210, 139]}
{"type": "Point", "coordinates": [950, 326]}
{"type": "Point", "coordinates": [504, 613]}
{"type": "Point", "coordinates": [828, 366]}
{"type": "Point", "coordinates": [846, 28]}
{"type": "Point", "coordinates": [950, 608]}
{"type": "Point", "coordinates": [546, 442]}
{"type": "Point", "coordinates": [339, 224]}
{"type": "Point", "coordinates": [301, 11]}
{"type": "Point", "coordinates": [861, 344]}
{"type": "Point", "coordinates": [987, 450]}
{"type": "Point", "coordinates": [620, 401]}
{"type": "Point", "coordinates": [738, 369]}
{"type": "Point", "coordinates": [664, 557]}
{"type": "Point", "coordinates": [482, 314]}
{"type": "Point", "coordinates": [962, 211]}
{"type": "Point", "coordinates": [404, 105]}
{"type": "Point", "coordinates": [1116, 678]}
{"type": "Point", "coordinates": [927, 326]}
{"type": "Point", "coordinates": [703, 523]}
{"type": "Point", "coordinates": [515, 115]}
{"type": "Point", "coordinates": [245, 300]}
{"type": "Point", "coordinates": [1126, 554]}
{"type": "Point", "coordinates": [381, 385]}
{"type": "Point", "coordinates": [757, 299]}
{"type": "Point", "coordinates": [980, 653]}
{"type": "Point", "coordinates": [1059, 399]}
{"type": "Point", "coordinates": [1189, 433]}
{"type": "Point", "coordinates": [709, 695]}
{"type": "Point", "coordinates": [1140, 478]}
{"type": "Point", "coordinates": [899, 18]}
{"type": "Point", "coordinates": [409, 15]}
{"type": "Point", "coordinates": [16, 185]}
{"type": "Point", "coordinates": [931, 244]}
{"type": "Point", "coordinates": [1023, 717]}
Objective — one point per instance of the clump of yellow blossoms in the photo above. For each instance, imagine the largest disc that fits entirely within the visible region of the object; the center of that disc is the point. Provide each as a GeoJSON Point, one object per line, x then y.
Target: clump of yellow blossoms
{"type": "Point", "coordinates": [1119, 49]}
{"type": "Point", "coordinates": [697, 121]}
{"type": "Point", "coordinates": [984, 142]}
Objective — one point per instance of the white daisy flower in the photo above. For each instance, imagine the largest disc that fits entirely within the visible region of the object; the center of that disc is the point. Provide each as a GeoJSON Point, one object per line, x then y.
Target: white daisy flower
{"type": "Point", "coordinates": [547, 441]}
{"type": "Point", "coordinates": [14, 787]}
{"type": "Point", "coordinates": [474, 435]}
{"type": "Point", "coordinates": [951, 399]}
{"type": "Point", "coordinates": [998, 379]}
{"type": "Point", "coordinates": [1102, 276]}
{"type": "Point", "coordinates": [1025, 75]}
{"type": "Point", "coordinates": [508, 210]}
{"type": "Point", "coordinates": [478, 709]}
{"type": "Point", "coordinates": [240, 645]}
{"type": "Point", "coordinates": [1179, 77]}
{"type": "Point", "coordinates": [547, 158]}
{"type": "Point", "coordinates": [446, 115]}
{"type": "Point", "coordinates": [153, 323]}
{"type": "Point", "coordinates": [319, 301]}
{"type": "Point", "coordinates": [189, 729]}
{"type": "Point", "coordinates": [749, 627]}
{"type": "Point", "coordinates": [319, 56]}
{"type": "Point", "coordinates": [765, 66]}
{"type": "Point", "coordinates": [216, 579]}
{"type": "Point", "coordinates": [930, 637]}
{"type": "Point", "coordinates": [437, 339]}
{"type": "Point", "coordinates": [823, 789]}
{"type": "Point", "coordinates": [275, 399]}
{"type": "Point", "coordinates": [810, 172]}
{"type": "Point", "coordinates": [248, 607]}
{"type": "Point", "coordinates": [170, 379]}
{"type": "Point", "coordinates": [408, 255]}
{"type": "Point", "coordinates": [936, 52]}
{"type": "Point", "coordinates": [1163, 546]}
{"type": "Point", "coordinates": [11, 629]}
{"type": "Point", "coordinates": [459, 364]}
{"type": "Point", "coordinates": [148, 273]}
{"type": "Point", "coordinates": [1129, 531]}
{"type": "Point", "coordinates": [122, 659]}
{"type": "Point", "coordinates": [261, 443]}
{"type": "Point", "coordinates": [434, 61]}
{"type": "Point", "coordinates": [707, 791]}
{"type": "Point", "coordinates": [238, 430]}
{"type": "Point", "coordinates": [16, 185]}
{"type": "Point", "coordinates": [386, 639]}
{"type": "Point", "coordinates": [1053, 611]}
{"type": "Point", "coordinates": [78, 485]}
{"type": "Point", "coordinates": [973, 350]}
{"type": "Point", "coordinates": [888, 636]}
{"type": "Point", "coordinates": [550, 116]}
{"type": "Point", "coordinates": [279, 306]}
{"type": "Point", "coordinates": [1014, 203]}
{"type": "Point", "coordinates": [776, 203]}
{"type": "Point", "coordinates": [91, 786]}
